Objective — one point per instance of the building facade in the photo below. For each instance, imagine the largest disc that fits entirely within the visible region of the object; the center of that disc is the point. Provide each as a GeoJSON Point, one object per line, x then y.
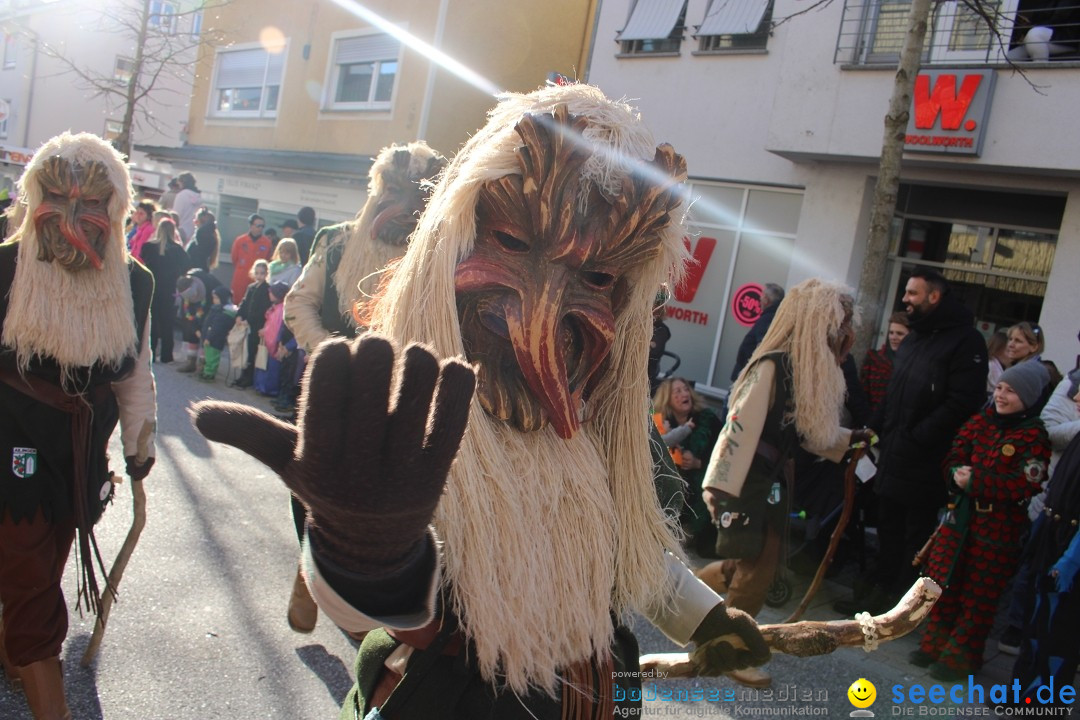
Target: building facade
{"type": "Point", "coordinates": [66, 66]}
{"type": "Point", "coordinates": [293, 110]}
{"type": "Point", "coordinates": [780, 117]}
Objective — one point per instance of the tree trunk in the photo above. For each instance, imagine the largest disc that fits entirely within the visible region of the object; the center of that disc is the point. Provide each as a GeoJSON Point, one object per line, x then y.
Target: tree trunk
{"type": "Point", "coordinates": [122, 142]}
{"type": "Point", "coordinates": [872, 279]}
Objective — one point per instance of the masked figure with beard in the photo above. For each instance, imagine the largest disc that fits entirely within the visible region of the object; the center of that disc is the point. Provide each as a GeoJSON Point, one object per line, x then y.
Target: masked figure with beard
{"type": "Point", "coordinates": [74, 360]}
{"type": "Point", "coordinates": [343, 269]}
{"type": "Point", "coordinates": [504, 579]}
{"type": "Point", "coordinates": [346, 259]}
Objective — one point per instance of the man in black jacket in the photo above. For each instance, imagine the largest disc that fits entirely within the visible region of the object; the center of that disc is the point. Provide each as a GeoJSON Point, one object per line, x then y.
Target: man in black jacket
{"type": "Point", "coordinates": [938, 382]}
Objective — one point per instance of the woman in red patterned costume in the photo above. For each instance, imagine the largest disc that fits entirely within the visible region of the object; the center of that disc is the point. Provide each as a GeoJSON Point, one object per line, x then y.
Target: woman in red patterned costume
{"type": "Point", "coordinates": [996, 464]}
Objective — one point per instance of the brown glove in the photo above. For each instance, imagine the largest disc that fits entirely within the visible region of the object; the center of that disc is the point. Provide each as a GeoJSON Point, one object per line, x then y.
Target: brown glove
{"type": "Point", "coordinates": [370, 472]}
{"type": "Point", "coordinates": [728, 639]}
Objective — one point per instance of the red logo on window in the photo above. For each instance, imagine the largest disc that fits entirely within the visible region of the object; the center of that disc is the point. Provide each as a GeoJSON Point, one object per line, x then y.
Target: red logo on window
{"type": "Point", "coordinates": [746, 304]}
{"type": "Point", "coordinates": [695, 269]}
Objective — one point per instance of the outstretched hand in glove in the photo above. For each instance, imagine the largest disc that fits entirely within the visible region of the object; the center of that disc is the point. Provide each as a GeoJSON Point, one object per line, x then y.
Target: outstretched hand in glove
{"type": "Point", "coordinates": [727, 639]}
{"type": "Point", "coordinates": [370, 468]}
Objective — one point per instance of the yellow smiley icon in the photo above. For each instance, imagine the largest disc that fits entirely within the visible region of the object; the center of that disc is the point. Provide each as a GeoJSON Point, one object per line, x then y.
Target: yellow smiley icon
{"type": "Point", "coordinates": [862, 693]}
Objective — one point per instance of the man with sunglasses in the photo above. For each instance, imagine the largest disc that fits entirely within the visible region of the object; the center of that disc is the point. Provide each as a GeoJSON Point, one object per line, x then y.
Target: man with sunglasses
{"type": "Point", "coordinates": [246, 249]}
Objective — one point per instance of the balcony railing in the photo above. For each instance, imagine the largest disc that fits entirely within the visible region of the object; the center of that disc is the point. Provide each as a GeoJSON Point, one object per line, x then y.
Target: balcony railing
{"type": "Point", "coordinates": [987, 32]}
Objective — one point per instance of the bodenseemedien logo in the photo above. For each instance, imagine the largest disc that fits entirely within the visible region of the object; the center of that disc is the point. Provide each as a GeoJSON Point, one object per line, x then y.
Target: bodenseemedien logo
{"type": "Point", "coordinates": [862, 695]}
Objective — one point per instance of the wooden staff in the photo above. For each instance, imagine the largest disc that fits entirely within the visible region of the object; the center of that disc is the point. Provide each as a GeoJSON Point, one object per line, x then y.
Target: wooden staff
{"type": "Point", "coordinates": [838, 533]}
{"type": "Point", "coordinates": [138, 498]}
{"type": "Point", "coordinates": [810, 638]}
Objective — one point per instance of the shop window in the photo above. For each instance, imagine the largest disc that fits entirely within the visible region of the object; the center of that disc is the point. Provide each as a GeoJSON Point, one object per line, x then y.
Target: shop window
{"type": "Point", "coordinates": [363, 72]}
{"type": "Point", "coordinates": [655, 27]}
{"type": "Point", "coordinates": [247, 82]}
{"type": "Point", "coordinates": [732, 26]}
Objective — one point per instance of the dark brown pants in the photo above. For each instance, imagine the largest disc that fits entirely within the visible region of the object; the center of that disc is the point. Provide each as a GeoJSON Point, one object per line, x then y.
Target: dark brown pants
{"type": "Point", "coordinates": [32, 558]}
{"type": "Point", "coordinates": [749, 578]}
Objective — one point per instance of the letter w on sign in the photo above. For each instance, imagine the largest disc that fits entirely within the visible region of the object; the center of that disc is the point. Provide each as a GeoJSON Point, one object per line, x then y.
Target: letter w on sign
{"type": "Point", "coordinates": [695, 268]}
{"type": "Point", "coordinates": [943, 100]}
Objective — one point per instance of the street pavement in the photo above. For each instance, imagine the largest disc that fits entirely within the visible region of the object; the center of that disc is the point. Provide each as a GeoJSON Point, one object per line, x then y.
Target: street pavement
{"type": "Point", "coordinates": [199, 629]}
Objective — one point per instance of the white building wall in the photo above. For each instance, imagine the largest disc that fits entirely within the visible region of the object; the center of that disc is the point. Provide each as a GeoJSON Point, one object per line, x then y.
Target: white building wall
{"type": "Point", "coordinates": [791, 117]}
{"type": "Point", "coordinates": [48, 99]}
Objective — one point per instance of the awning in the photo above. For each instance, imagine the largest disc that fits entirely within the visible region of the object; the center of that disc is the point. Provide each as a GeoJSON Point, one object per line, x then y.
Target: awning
{"type": "Point", "coordinates": [652, 19]}
{"type": "Point", "coordinates": [732, 17]}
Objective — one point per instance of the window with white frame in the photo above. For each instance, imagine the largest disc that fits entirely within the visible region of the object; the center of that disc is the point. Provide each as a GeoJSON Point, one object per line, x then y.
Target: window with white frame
{"type": "Point", "coordinates": [363, 71]}
{"type": "Point", "coordinates": [163, 16]}
{"type": "Point", "coordinates": [730, 26]}
{"type": "Point", "coordinates": [196, 23]}
{"type": "Point", "coordinates": [5, 115]}
{"type": "Point", "coordinates": [11, 48]}
{"type": "Point", "coordinates": [123, 67]}
{"type": "Point", "coordinates": [113, 128]}
{"type": "Point", "coordinates": [247, 82]}
{"type": "Point", "coordinates": [654, 27]}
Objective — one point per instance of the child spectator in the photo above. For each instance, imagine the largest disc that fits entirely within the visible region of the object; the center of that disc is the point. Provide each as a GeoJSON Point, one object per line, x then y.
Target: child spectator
{"type": "Point", "coordinates": [267, 381]}
{"type": "Point", "coordinates": [877, 367]}
{"type": "Point", "coordinates": [215, 330]}
{"type": "Point", "coordinates": [192, 311]}
{"type": "Point", "coordinates": [996, 464]}
{"type": "Point", "coordinates": [143, 227]}
{"type": "Point", "coordinates": [253, 312]}
{"type": "Point", "coordinates": [285, 265]}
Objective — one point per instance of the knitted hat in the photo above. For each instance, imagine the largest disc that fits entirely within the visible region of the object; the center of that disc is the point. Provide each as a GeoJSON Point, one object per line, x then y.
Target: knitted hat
{"type": "Point", "coordinates": [279, 289]}
{"type": "Point", "coordinates": [1028, 379]}
{"type": "Point", "coordinates": [224, 294]}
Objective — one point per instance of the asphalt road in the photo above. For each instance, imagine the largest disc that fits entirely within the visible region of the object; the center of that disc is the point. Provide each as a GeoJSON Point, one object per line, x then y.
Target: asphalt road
{"type": "Point", "coordinates": [199, 631]}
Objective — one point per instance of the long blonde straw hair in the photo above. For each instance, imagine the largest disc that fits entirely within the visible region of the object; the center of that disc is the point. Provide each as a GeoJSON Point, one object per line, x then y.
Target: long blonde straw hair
{"type": "Point", "coordinates": [809, 316]}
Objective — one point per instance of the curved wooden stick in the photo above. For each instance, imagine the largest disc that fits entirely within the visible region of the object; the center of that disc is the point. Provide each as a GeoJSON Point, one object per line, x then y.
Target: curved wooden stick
{"type": "Point", "coordinates": [834, 541]}
{"type": "Point", "coordinates": [810, 638]}
{"type": "Point", "coordinates": [116, 573]}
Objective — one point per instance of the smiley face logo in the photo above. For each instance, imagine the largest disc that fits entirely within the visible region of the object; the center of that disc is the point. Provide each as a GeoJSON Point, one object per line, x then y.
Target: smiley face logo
{"type": "Point", "coordinates": [862, 693]}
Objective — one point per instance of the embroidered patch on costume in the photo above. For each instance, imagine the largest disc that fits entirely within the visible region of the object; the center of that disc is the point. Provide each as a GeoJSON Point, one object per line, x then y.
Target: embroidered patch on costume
{"type": "Point", "coordinates": [24, 461]}
{"type": "Point", "coordinates": [1008, 450]}
{"type": "Point", "coordinates": [1035, 471]}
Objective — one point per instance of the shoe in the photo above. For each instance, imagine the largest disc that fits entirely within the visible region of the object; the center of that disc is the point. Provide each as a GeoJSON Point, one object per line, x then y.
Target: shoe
{"type": "Point", "coordinates": [243, 382]}
{"type": "Point", "coordinates": [1009, 642]}
{"type": "Point", "coordinates": [188, 366]}
{"type": "Point", "coordinates": [919, 658]}
{"type": "Point", "coordinates": [944, 673]}
{"type": "Point", "coordinates": [205, 378]}
{"type": "Point", "coordinates": [43, 684]}
{"type": "Point", "coordinates": [303, 612]}
{"type": "Point", "coordinates": [751, 677]}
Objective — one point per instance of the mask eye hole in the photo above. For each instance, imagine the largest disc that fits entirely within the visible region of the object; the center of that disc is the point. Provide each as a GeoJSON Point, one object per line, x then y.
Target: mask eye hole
{"type": "Point", "coordinates": [599, 280]}
{"type": "Point", "coordinates": [510, 243]}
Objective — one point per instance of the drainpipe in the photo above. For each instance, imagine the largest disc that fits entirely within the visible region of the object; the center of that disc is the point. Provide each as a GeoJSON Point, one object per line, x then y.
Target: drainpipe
{"type": "Point", "coordinates": [429, 89]}
{"type": "Point", "coordinates": [30, 90]}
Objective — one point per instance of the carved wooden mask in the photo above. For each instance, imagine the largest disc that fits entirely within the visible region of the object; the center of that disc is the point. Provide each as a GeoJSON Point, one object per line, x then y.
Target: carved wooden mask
{"type": "Point", "coordinates": [72, 221]}
{"type": "Point", "coordinates": [403, 198]}
{"type": "Point", "coordinates": [538, 296]}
